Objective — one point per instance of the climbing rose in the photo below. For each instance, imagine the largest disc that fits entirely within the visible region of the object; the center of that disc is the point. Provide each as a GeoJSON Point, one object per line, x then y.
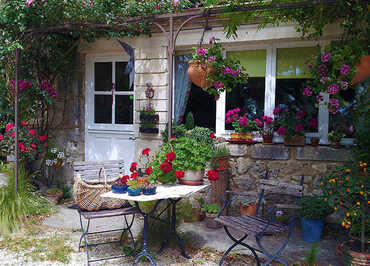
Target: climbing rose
{"type": "Point", "coordinates": [32, 131]}
{"type": "Point", "coordinates": [33, 146]}
{"type": "Point", "coordinates": [1, 137]}
{"type": "Point", "coordinates": [201, 51]}
{"type": "Point", "coordinates": [268, 120]}
{"type": "Point", "coordinates": [171, 156]}
{"type": "Point", "coordinates": [29, 2]}
{"type": "Point", "coordinates": [313, 123]}
{"type": "Point", "coordinates": [8, 127]}
{"type": "Point", "coordinates": [325, 57]}
{"type": "Point", "coordinates": [281, 131]}
{"type": "Point", "coordinates": [179, 174]}
{"type": "Point", "coordinates": [133, 166]}
{"type": "Point", "coordinates": [300, 114]}
{"type": "Point", "coordinates": [24, 123]}
{"type": "Point", "coordinates": [42, 138]}
{"type": "Point", "coordinates": [146, 151]}
{"type": "Point", "coordinates": [344, 69]}
{"type": "Point", "coordinates": [149, 170]}
{"type": "Point", "coordinates": [212, 58]}
{"type": "Point", "coordinates": [333, 89]}
{"type": "Point", "coordinates": [166, 167]}
{"type": "Point", "coordinates": [13, 134]}
{"type": "Point", "coordinates": [46, 144]}
{"type": "Point", "coordinates": [323, 69]}
{"type": "Point", "coordinates": [212, 175]}
{"type": "Point", "coordinates": [307, 91]}
{"type": "Point", "coordinates": [277, 110]}
{"type": "Point", "coordinates": [124, 179]}
{"type": "Point", "coordinates": [259, 122]}
{"type": "Point", "coordinates": [344, 84]}
{"type": "Point", "coordinates": [323, 80]}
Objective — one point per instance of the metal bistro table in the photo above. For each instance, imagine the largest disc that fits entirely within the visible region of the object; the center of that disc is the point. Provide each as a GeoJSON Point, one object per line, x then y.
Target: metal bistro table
{"type": "Point", "coordinates": [173, 194]}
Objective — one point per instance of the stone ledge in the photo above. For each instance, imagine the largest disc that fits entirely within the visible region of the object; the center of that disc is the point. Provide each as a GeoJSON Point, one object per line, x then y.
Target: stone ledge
{"type": "Point", "coordinates": [237, 149]}
{"type": "Point", "coordinates": [272, 152]}
{"type": "Point", "coordinates": [323, 153]}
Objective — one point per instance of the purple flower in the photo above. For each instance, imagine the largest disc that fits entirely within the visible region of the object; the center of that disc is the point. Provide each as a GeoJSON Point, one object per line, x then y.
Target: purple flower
{"type": "Point", "coordinates": [344, 69]}
{"type": "Point", "coordinates": [309, 67]}
{"type": "Point", "coordinates": [323, 80]}
{"type": "Point", "coordinates": [313, 123]}
{"type": "Point", "coordinates": [243, 121]}
{"type": "Point", "coordinates": [228, 70]}
{"type": "Point", "coordinates": [319, 98]}
{"type": "Point", "coordinates": [212, 40]}
{"type": "Point", "coordinates": [299, 128]}
{"type": "Point", "coordinates": [212, 58]}
{"type": "Point", "coordinates": [259, 122]}
{"type": "Point", "coordinates": [333, 89]}
{"type": "Point", "coordinates": [201, 51]}
{"type": "Point", "coordinates": [307, 91]}
{"type": "Point", "coordinates": [325, 57]}
{"type": "Point", "coordinates": [246, 75]}
{"type": "Point", "coordinates": [218, 84]}
{"type": "Point", "coordinates": [323, 69]}
{"type": "Point", "coordinates": [333, 105]}
{"type": "Point", "coordinates": [344, 84]}
{"type": "Point", "coordinates": [29, 2]}
{"type": "Point", "coordinates": [300, 114]}
{"type": "Point", "coordinates": [281, 131]}
{"type": "Point", "coordinates": [268, 120]}
{"type": "Point", "coordinates": [277, 111]}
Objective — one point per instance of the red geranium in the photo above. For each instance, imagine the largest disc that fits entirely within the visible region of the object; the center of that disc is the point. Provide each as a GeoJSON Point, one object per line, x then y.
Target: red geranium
{"type": "Point", "coordinates": [146, 152]}
{"type": "Point", "coordinates": [166, 167]}
{"type": "Point", "coordinates": [134, 175]}
{"type": "Point", "coordinates": [212, 175]}
{"type": "Point", "coordinates": [212, 135]}
{"type": "Point", "coordinates": [42, 138]}
{"type": "Point", "coordinates": [133, 166]}
{"type": "Point", "coordinates": [179, 174]}
{"type": "Point", "coordinates": [124, 179]}
{"type": "Point", "coordinates": [32, 131]}
{"type": "Point", "coordinates": [149, 170]}
{"type": "Point", "coordinates": [171, 156]}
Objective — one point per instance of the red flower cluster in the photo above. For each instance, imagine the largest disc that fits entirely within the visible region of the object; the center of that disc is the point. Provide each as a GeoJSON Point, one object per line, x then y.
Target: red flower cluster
{"type": "Point", "coordinates": [171, 156]}
{"type": "Point", "coordinates": [179, 174]}
{"type": "Point", "coordinates": [149, 170]}
{"type": "Point", "coordinates": [146, 152]}
{"type": "Point", "coordinates": [212, 175]}
{"type": "Point", "coordinates": [212, 135]}
{"type": "Point", "coordinates": [124, 179]}
{"type": "Point", "coordinates": [133, 167]}
{"type": "Point", "coordinates": [166, 167]}
{"type": "Point", "coordinates": [134, 175]}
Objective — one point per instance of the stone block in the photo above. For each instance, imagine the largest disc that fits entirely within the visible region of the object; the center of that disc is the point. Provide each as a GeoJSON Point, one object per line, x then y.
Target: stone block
{"type": "Point", "coordinates": [157, 79]}
{"type": "Point", "coordinates": [151, 66]}
{"type": "Point", "coordinates": [271, 152]}
{"type": "Point", "coordinates": [246, 183]}
{"type": "Point", "coordinates": [243, 164]}
{"type": "Point", "coordinates": [237, 150]}
{"type": "Point", "coordinates": [324, 154]}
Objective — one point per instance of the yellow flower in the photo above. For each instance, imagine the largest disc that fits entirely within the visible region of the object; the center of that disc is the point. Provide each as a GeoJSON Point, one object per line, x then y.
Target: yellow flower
{"type": "Point", "coordinates": [343, 223]}
{"type": "Point", "coordinates": [362, 186]}
{"type": "Point", "coordinates": [347, 214]}
{"type": "Point", "coordinates": [348, 222]}
{"type": "Point", "coordinates": [348, 170]}
{"type": "Point", "coordinates": [364, 164]}
{"type": "Point", "coordinates": [358, 203]}
{"type": "Point", "coordinates": [361, 193]}
{"type": "Point", "coordinates": [355, 214]}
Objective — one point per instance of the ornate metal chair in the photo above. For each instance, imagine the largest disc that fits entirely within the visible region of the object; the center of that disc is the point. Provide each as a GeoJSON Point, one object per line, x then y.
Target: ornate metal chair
{"type": "Point", "coordinates": [259, 226]}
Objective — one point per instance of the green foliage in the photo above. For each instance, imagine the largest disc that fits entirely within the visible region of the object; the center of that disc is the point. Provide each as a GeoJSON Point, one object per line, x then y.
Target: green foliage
{"type": "Point", "coordinates": [220, 151]}
{"type": "Point", "coordinates": [244, 200]}
{"type": "Point", "coordinates": [134, 184]}
{"type": "Point", "coordinates": [335, 136]}
{"type": "Point", "coordinates": [314, 208]}
{"type": "Point", "coordinates": [189, 123]}
{"type": "Point", "coordinates": [211, 208]}
{"type": "Point", "coordinates": [178, 131]}
{"type": "Point", "coordinates": [312, 254]}
{"type": "Point", "coordinates": [201, 134]}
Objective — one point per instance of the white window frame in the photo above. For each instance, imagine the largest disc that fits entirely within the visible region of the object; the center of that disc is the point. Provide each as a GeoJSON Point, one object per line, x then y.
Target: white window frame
{"type": "Point", "coordinates": [270, 89]}
{"type": "Point", "coordinates": [91, 59]}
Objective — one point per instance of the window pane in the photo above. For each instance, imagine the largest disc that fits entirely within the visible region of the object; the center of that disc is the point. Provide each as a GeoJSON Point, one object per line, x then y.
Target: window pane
{"type": "Point", "coordinates": [124, 109]}
{"type": "Point", "coordinates": [103, 76]}
{"type": "Point", "coordinates": [249, 98]}
{"type": "Point", "coordinates": [292, 62]}
{"type": "Point", "coordinates": [254, 61]}
{"type": "Point", "coordinates": [103, 109]}
{"type": "Point", "coordinates": [289, 93]}
{"type": "Point", "coordinates": [122, 79]}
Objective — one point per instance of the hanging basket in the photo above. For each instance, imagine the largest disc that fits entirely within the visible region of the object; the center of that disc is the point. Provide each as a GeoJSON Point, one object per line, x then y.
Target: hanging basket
{"type": "Point", "coordinates": [363, 70]}
{"type": "Point", "coordinates": [198, 72]}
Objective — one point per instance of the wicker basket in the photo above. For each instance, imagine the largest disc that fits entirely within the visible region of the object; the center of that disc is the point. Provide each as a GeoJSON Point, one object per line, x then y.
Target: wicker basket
{"type": "Point", "coordinates": [87, 193]}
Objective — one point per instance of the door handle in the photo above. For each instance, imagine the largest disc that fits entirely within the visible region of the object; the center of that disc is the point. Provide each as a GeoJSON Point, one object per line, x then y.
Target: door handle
{"type": "Point", "coordinates": [132, 138]}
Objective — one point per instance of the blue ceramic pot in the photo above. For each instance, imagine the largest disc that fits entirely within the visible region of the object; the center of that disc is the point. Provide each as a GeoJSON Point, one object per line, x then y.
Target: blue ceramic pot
{"type": "Point", "coordinates": [119, 189]}
{"type": "Point", "coordinates": [311, 229]}
{"type": "Point", "coordinates": [134, 192]}
{"type": "Point", "coordinates": [150, 191]}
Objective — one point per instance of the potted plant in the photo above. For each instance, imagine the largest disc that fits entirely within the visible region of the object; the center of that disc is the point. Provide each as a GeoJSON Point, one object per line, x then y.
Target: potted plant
{"type": "Point", "coordinates": [214, 73]}
{"type": "Point", "coordinates": [334, 137]}
{"type": "Point", "coordinates": [211, 211]}
{"type": "Point", "coordinates": [150, 187]}
{"type": "Point", "coordinates": [266, 128]}
{"type": "Point", "coordinates": [120, 186]}
{"type": "Point", "coordinates": [220, 160]}
{"type": "Point", "coordinates": [242, 125]}
{"type": "Point", "coordinates": [134, 187]}
{"type": "Point", "coordinates": [291, 124]}
{"type": "Point", "coordinates": [313, 212]}
{"type": "Point", "coordinates": [247, 204]}
{"type": "Point", "coordinates": [347, 187]}
{"type": "Point", "coordinates": [148, 120]}
{"type": "Point", "coordinates": [198, 213]}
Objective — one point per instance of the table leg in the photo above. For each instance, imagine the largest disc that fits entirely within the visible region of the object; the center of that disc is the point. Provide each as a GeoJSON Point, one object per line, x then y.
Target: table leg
{"type": "Point", "coordinates": [173, 231]}
{"type": "Point", "coordinates": [145, 251]}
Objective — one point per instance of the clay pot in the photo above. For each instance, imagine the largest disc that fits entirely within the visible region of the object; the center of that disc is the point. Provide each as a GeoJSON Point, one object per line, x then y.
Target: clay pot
{"type": "Point", "coordinates": [315, 141]}
{"type": "Point", "coordinates": [351, 257]}
{"type": "Point", "coordinates": [248, 210]}
{"type": "Point", "coordinates": [363, 70]}
{"type": "Point", "coordinates": [198, 72]}
{"type": "Point", "coordinates": [192, 178]}
{"type": "Point", "coordinates": [241, 137]}
{"type": "Point", "coordinates": [294, 140]}
{"type": "Point", "coordinates": [210, 221]}
{"type": "Point", "coordinates": [267, 139]}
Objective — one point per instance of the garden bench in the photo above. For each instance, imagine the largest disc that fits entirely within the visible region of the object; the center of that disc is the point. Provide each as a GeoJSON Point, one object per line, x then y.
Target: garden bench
{"type": "Point", "coordinates": [259, 226]}
{"type": "Point", "coordinates": [89, 171]}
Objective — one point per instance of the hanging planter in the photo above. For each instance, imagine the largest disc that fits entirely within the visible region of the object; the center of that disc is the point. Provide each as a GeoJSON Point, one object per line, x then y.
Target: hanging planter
{"type": "Point", "coordinates": [198, 72]}
{"type": "Point", "coordinates": [148, 121]}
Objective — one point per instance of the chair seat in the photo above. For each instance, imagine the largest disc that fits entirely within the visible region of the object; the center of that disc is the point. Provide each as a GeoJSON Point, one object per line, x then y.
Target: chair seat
{"type": "Point", "coordinates": [108, 213]}
{"type": "Point", "coordinates": [251, 224]}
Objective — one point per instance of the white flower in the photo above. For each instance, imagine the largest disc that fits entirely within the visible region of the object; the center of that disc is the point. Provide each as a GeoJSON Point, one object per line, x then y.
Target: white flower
{"type": "Point", "coordinates": [53, 150]}
{"type": "Point", "coordinates": [48, 162]}
{"type": "Point", "coordinates": [60, 155]}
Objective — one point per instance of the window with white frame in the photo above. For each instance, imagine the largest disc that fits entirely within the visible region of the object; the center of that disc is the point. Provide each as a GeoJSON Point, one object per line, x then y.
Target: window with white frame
{"type": "Point", "coordinates": [277, 74]}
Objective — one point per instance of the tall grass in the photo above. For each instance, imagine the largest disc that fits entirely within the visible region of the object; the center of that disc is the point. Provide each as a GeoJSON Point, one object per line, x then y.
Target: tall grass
{"type": "Point", "coordinates": [15, 207]}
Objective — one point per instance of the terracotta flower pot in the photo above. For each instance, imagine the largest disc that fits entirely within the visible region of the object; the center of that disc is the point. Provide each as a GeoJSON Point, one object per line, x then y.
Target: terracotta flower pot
{"type": "Point", "coordinates": [351, 257]}
{"type": "Point", "coordinates": [248, 210]}
{"type": "Point", "coordinates": [294, 140]}
{"type": "Point", "coordinates": [210, 221]}
{"type": "Point", "coordinates": [315, 141]}
{"type": "Point", "coordinates": [198, 72]}
{"type": "Point", "coordinates": [267, 139]}
{"type": "Point", "coordinates": [363, 70]}
{"type": "Point", "coordinates": [192, 178]}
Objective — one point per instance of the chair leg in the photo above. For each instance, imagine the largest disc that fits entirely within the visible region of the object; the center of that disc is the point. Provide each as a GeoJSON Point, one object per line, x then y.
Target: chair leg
{"type": "Point", "coordinates": [238, 242]}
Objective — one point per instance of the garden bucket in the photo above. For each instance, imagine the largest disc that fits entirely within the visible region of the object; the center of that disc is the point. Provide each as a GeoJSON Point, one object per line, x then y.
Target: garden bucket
{"type": "Point", "coordinates": [311, 229]}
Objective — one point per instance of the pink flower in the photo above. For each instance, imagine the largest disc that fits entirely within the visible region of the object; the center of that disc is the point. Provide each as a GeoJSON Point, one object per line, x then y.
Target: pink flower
{"type": "Point", "coordinates": [29, 2]}
{"type": "Point", "coordinates": [307, 91]}
{"type": "Point", "coordinates": [243, 121]}
{"type": "Point", "coordinates": [8, 127]}
{"type": "Point", "coordinates": [13, 134]}
{"type": "Point", "coordinates": [333, 89]}
{"type": "Point", "coordinates": [201, 51]}
{"type": "Point", "coordinates": [228, 70]}
{"type": "Point", "coordinates": [325, 57]}
{"type": "Point", "coordinates": [344, 84]}
{"type": "Point", "coordinates": [211, 58]}
{"type": "Point", "coordinates": [42, 138]}
{"type": "Point", "coordinates": [212, 40]}
{"type": "Point", "coordinates": [218, 84]}
{"type": "Point", "coordinates": [1, 137]}
{"type": "Point", "coordinates": [333, 105]}
{"type": "Point", "coordinates": [268, 120]}
{"type": "Point", "coordinates": [21, 147]}
{"type": "Point", "coordinates": [323, 69]}
{"type": "Point", "coordinates": [319, 98]}
{"type": "Point", "coordinates": [32, 132]}
{"type": "Point", "coordinates": [33, 146]}
{"type": "Point", "coordinates": [24, 123]}
{"type": "Point", "coordinates": [277, 111]}
{"type": "Point", "coordinates": [281, 131]}
{"type": "Point", "coordinates": [344, 69]}
{"type": "Point", "coordinates": [259, 122]}
{"type": "Point", "coordinates": [46, 144]}
{"type": "Point", "coordinates": [313, 123]}
{"type": "Point", "coordinates": [300, 114]}
{"type": "Point", "coordinates": [309, 67]}
{"type": "Point", "coordinates": [299, 128]}
{"type": "Point", "coordinates": [323, 80]}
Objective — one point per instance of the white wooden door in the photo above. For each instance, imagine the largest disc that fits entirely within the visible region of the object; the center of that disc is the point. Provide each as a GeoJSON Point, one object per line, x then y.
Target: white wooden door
{"type": "Point", "coordinates": [109, 110]}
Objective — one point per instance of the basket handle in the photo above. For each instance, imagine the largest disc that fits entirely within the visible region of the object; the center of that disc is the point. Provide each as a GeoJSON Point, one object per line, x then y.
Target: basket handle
{"type": "Point", "coordinates": [105, 175]}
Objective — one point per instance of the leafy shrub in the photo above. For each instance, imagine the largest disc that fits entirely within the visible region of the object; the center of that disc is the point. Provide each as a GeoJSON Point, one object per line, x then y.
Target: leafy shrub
{"type": "Point", "coordinates": [211, 208]}
{"type": "Point", "coordinates": [189, 123]}
{"type": "Point", "coordinates": [314, 208]}
{"type": "Point", "coordinates": [178, 131]}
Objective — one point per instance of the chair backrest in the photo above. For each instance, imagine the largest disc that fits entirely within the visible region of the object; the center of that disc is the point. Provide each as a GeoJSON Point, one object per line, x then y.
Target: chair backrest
{"type": "Point", "coordinates": [89, 170]}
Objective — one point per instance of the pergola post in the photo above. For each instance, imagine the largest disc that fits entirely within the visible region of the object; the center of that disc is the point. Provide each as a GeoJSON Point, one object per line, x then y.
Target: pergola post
{"type": "Point", "coordinates": [17, 57]}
